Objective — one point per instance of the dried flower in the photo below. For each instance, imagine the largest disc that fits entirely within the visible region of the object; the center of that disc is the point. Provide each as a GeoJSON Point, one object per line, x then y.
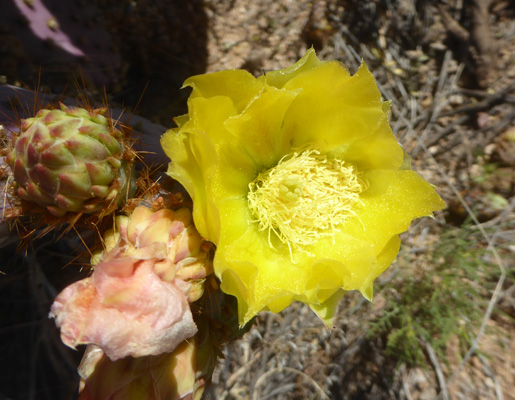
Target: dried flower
{"type": "Point", "coordinates": [136, 302]}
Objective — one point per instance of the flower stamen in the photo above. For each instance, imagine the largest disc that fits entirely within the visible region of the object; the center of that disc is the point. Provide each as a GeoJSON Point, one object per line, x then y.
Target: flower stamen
{"type": "Point", "coordinates": [305, 197]}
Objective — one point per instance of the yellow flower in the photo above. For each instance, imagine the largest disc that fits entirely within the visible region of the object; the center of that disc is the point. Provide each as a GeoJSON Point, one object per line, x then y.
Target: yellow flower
{"type": "Point", "coordinates": [297, 178]}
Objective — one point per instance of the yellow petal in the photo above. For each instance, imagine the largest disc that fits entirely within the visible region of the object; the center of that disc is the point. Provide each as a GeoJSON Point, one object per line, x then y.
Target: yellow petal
{"type": "Point", "coordinates": [237, 85]}
{"type": "Point", "coordinates": [193, 154]}
{"type": "Point", "coordinates": [392, 200]}
{"type": "Point", "coordinates": [379, 149]}
{"type": "Point", "coordinates": [257, 274]}
{"type": "Point", "coordinates": [186, 170]}
{"type": "Point", "coordinates": [281, 77]}
{"type": "Point", "coordinates": [333, 108]}
{"type": "Point", "coordinates": [384, 260]}
{"type": "Point", "coordinates": [259, 127]}
{"type": "Point", "coordinates": [327, 310]}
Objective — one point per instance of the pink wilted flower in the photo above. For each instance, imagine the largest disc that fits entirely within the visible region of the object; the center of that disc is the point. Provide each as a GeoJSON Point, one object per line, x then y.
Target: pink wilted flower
{"type": "Point", "coordinates": [136, 302]}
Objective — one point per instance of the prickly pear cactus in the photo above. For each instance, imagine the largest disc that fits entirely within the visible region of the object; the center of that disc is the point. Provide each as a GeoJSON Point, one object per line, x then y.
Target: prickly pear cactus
{"type": "Point", "coordinates": [71, 161]}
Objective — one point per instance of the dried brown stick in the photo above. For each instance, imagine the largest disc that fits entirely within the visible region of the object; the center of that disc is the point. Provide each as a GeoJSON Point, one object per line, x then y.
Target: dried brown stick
{"type": "Point", "coordinates": [491, 133]}
{"type": "Point", "coordinates": [447, 130]}
{"type": "Point", "coordinates": [469, 110]}
{"type": "Point", "coordinates": [488, 102]}
{"type": "Point", "coordinates": [482, 40]}
{"type": "Point", "coordinates": [479, 37]}
{"type": "Point", "coordinates": [453, 26]}
{"type": "Point", "coordinates": [438, 371]}
{"type": "Point", "coordinates": [509, 98]}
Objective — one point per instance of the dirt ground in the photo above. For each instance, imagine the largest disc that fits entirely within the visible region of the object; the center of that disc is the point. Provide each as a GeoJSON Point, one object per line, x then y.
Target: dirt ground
{"type": "Point", "coordinates": [448, 67]}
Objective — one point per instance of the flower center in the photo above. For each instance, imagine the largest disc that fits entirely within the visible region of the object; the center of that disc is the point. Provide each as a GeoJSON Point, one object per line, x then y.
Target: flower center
{"type": "Point", "coordinates": [304, 197]}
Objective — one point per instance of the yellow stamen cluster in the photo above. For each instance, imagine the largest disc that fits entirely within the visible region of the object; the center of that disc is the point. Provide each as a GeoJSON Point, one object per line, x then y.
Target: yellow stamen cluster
{"type": "Point", "coordinates": [306, 196]}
